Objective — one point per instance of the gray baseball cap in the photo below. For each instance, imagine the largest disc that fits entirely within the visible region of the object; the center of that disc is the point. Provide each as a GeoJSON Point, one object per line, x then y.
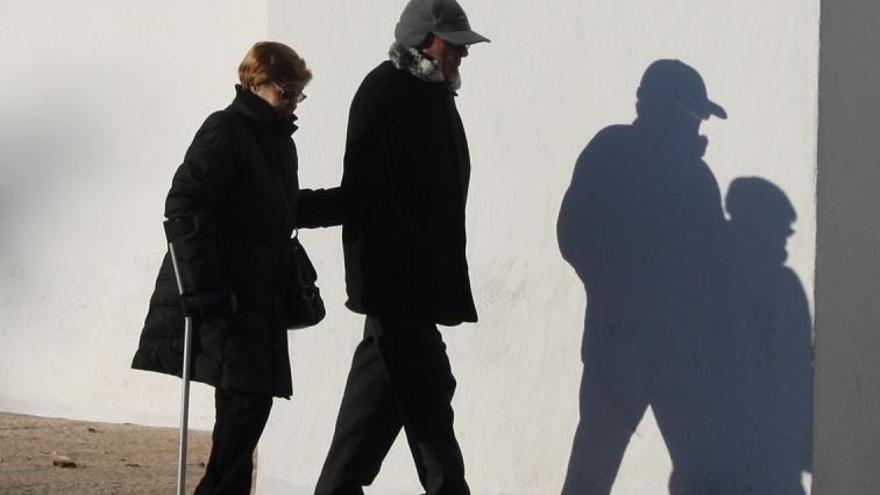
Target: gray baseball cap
{"type": "Point", "coordinates": [444, 18]}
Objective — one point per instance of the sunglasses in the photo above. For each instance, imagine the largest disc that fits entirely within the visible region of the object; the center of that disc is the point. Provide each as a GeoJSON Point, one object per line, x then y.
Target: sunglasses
{"type": "Point", "coordinates": [289, 94]}
{"type": "Point", "coordinates": [458, 49]}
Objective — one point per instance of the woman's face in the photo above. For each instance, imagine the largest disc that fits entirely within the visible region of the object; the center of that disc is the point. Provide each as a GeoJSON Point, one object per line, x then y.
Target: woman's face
{"type": "Point", "coordinates": [283, 96]}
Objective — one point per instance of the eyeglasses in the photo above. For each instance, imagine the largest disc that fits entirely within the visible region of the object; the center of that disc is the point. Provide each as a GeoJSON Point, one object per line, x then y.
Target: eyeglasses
{"type": "Point", "coordinates": [289, 94]}
{"type": "Point", "coordinates": [461, 50]}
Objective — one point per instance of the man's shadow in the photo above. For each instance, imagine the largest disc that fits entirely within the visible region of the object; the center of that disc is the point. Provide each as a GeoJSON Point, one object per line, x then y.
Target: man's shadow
{"type": "Point", "coordinates": [687, 312]}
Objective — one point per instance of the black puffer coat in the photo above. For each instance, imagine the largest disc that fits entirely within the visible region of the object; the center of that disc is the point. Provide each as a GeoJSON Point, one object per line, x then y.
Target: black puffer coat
{"type": "Point", "coordinates": [407, 170]}
{"type": "Point", "coordinates": [235, 201]}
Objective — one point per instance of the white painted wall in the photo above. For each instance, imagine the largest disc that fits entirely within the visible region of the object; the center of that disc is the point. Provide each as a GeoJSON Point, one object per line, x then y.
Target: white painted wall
{"type": "Point", "coordinates": [554, 75]}
{"type": "Point", "coordinates": [100, 101]}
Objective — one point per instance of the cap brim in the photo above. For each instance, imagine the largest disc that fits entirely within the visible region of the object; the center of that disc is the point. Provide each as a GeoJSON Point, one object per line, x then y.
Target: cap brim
{"type": "Point", "coordinates": [462, 37]}
{"type": "Point", "coordinates": [715, 109]}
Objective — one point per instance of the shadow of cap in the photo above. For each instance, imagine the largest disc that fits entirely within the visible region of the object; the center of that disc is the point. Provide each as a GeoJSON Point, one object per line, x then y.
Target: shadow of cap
{"type": "Point", "coordinates": [673, 81]}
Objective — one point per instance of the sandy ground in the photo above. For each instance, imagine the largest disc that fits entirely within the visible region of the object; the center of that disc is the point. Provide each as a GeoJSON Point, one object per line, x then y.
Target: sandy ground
{"type": "Point", "coordinates": [110, 459]}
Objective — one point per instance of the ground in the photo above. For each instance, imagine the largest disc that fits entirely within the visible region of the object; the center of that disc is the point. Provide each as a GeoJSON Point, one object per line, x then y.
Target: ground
{"type": "Point", "coordinates": [109, 459]}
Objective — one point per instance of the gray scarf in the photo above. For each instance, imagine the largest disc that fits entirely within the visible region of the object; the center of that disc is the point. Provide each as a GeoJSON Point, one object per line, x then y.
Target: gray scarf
{"type": "Point", "coordinates": [419, 65]}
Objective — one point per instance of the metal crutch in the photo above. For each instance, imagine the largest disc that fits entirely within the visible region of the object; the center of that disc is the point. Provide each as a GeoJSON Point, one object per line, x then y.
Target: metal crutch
{"type": "Point", "coordinates": [184, 399]}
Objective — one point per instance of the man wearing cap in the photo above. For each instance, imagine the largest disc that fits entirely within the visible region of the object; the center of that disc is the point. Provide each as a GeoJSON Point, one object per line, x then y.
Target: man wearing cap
{"type": "Point", "coordinates": [405, 179]}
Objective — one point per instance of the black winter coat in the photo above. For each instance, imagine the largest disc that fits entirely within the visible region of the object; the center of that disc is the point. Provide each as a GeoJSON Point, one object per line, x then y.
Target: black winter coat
{"type": "Point", "coordinates": [406, 178]}
{"type": "Point", "coordinates": [235, 201]}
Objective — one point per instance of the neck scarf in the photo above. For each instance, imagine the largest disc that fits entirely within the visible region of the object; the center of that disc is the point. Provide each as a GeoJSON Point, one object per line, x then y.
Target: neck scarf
{"type": "Point", "coordinates": [419, 65]}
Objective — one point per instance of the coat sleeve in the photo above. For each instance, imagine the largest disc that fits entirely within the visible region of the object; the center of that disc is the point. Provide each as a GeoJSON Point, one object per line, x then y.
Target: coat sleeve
{"type": "Point", "coordinates": [320, 208]}
{"type": "Point", "coordinates": [369, 182]}
{"type": "Point", "coordinates": [366, 147]}
{"type": "Point", "coordinates": [199, 187]}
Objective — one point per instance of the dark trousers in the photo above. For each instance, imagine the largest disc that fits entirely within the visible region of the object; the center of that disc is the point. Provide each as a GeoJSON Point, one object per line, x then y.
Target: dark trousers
{"type": "Point", "coordinates": [239, 422]}
{"type": "Point", "coordinates": [400, 377]}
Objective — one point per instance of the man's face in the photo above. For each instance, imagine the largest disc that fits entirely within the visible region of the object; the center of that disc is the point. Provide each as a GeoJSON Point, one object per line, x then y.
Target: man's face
{"type": "Point", "coordinates": [451, 59]}
{"type": "Point", "coordinates": [448, 54]}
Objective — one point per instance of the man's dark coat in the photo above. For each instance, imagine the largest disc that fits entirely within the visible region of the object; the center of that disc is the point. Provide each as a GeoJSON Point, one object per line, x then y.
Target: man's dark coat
{"type": "Point", "coordinates": [234, 203]}
{"type": "Point", "coordinates": [406, 181]}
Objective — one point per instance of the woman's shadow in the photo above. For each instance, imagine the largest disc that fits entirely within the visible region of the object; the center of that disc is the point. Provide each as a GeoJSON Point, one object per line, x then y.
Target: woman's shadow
{"type": "Point", "coordinates": [687, 312]}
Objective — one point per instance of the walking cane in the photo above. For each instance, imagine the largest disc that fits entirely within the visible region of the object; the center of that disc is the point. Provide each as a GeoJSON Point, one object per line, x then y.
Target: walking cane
{"type": "Point", "coordinates": [184, 400]}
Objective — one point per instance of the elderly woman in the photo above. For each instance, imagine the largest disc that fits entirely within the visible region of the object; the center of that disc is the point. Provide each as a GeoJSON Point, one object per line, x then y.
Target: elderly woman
{"type": "Point", "coordinates": [232, 208]}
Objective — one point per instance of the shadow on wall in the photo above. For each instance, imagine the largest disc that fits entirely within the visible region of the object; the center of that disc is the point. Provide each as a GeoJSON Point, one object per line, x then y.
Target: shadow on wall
{"type": "Point", "coordinates": [687, 312]}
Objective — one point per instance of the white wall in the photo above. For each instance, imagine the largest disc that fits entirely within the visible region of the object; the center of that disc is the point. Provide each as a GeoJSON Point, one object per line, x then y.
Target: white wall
{"type": "Point", "coordinates": [99, 100]}
{"type": "Point", "coordinates": [553, 76]}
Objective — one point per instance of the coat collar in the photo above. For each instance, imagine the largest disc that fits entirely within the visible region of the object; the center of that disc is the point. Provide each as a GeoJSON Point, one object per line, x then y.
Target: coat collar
{"type": "Point", "coordinates": [254, 107]}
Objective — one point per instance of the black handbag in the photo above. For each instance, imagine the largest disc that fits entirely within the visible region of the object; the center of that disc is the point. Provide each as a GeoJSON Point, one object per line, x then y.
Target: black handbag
{"type": "Point", "coordinates": [303, 303]}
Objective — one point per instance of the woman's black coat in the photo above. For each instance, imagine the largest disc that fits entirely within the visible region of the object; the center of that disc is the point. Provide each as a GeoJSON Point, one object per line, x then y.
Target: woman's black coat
{"type": "Point", "coordinates": [232, 208]}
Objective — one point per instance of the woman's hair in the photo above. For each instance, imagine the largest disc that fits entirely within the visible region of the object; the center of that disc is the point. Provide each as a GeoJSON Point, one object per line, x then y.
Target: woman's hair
{"type": "Point", "coordinates": [272, 61]}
